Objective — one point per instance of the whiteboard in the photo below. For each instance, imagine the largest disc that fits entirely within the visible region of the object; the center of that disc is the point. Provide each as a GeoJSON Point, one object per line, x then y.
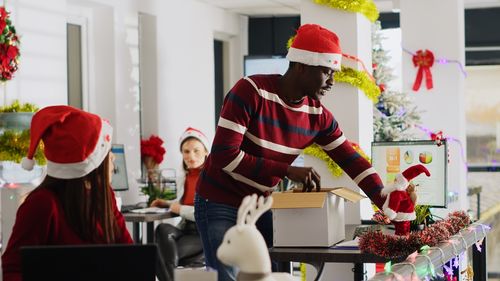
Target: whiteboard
{"type": "Point", "coordinates": [392, 158]}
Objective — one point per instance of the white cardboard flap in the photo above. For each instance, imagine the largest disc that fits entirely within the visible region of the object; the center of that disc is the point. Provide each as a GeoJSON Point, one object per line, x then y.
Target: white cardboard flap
{"type": "Point", "coordinates": [347, 194]}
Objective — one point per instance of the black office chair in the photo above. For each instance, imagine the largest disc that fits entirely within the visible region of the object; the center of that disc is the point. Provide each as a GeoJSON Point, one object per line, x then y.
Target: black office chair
{"type": "Point", "coordinates": [179, 247]}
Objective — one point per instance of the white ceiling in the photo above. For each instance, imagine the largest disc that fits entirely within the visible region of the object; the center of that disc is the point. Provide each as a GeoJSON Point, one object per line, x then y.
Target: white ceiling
{"type": "Point", "coordinates": [291, 7]}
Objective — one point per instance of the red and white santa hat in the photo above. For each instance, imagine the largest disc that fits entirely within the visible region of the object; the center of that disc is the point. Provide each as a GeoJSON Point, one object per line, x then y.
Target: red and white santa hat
{"type": "Point", "coordinates": [194, 133]}
{"type": "Point", "coordinates": [403, 179]}
{"type": "Point", "coordinates": [75, 142]}
{"type": "Point", "coordinates": [317, 46]}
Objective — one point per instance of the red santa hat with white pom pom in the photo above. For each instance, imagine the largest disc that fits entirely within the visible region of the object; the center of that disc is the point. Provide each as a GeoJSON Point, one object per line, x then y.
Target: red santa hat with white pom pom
{"type": "Point", "coordinates": [402, 180]}
{"type": "Point", "coordinates": [75, 142]}
{"type": "Point", "coordinates": [317, 46]}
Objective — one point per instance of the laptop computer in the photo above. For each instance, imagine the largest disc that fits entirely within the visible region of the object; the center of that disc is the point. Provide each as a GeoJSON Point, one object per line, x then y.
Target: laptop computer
{"type": "Point", "coordinates": [89, 262]}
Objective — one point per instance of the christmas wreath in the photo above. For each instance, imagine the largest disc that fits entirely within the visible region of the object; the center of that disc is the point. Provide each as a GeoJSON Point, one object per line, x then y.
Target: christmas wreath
{"type": "Point", "coordinates": [9, 47]}
{"type": "Point", "coordinates": [391, 246]}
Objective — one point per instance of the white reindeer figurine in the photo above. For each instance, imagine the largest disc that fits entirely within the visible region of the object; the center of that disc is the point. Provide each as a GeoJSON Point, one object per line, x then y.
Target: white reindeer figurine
{"type": "Point", "coordinates": [244, 247]}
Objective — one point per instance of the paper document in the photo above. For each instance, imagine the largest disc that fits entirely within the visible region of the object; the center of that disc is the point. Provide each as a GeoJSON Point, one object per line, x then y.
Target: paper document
{"type": "Point", "coordinates": [349, 244]}
{"type": "Point", "coordinates": [150, 210]}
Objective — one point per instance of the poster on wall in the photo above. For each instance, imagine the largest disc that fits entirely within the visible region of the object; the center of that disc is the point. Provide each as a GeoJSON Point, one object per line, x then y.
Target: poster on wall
{"type": "Point", "coordinates": [392, 158]}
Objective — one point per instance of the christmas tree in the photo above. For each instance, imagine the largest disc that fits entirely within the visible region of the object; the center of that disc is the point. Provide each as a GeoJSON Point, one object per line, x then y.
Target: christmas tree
{"type": "Point", "coordinates": [394, 115]}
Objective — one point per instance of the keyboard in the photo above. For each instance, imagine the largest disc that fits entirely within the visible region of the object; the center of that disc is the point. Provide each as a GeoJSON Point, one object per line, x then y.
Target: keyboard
{"type": "Point", "coordinates": [128, 208]}
{"type": "Point", "coordinates": [150, 210]}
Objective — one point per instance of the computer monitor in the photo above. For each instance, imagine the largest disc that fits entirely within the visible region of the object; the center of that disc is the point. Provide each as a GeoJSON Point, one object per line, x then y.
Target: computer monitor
{"type": "Point", "coordinates": [119, 181]}
{"type": "Point", "coordinates": [265, 65]}
{"type": "Point", "coordinates": [391, 158]}
{"type": "Point", "coordinates": [89, 262]}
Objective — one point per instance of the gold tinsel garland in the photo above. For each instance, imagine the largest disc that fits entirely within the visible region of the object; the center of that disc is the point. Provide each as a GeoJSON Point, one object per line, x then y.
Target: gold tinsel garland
{"type": "Point", "coordinates": [316, 151]}
{"type": "Point", "coordinates": [15, 144]}
{"type": "Point", "coordinates": [364, 7]}
{"type": "Point", "coordinates": [360, 80]}
{"type": "Point", "coordinates": [16, 106]}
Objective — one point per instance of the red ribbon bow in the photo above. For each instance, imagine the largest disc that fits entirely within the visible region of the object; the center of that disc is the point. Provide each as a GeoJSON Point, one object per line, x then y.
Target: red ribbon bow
{"type": "Point", "coordinates": [424, 61]}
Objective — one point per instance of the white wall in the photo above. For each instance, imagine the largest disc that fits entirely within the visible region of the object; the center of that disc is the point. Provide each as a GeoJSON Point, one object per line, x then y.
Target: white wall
{"type": "Point", "coordinates": [41, 78]}
{"type": "Point", "coordinates": [444, 104]}
{"type": "Point", "coordinates": [185, 66]}
{"type": "Point", "coordinates": [185, 33]}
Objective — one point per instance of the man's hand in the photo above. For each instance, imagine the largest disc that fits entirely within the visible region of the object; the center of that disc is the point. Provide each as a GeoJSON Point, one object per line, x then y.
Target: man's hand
{"type": "Point", "coordinates": [305, 175]}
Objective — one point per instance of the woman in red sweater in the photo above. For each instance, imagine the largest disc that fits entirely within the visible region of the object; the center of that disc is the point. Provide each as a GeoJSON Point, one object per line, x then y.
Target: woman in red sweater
{"type": "Point", "coordinates": [181, 244]}
{"type": "Point", "coordinates": [75, 203]}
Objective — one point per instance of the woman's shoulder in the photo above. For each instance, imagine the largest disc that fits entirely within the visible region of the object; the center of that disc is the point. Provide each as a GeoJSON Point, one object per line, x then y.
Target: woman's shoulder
{"type": "Point", "coordinates": [41, 196]}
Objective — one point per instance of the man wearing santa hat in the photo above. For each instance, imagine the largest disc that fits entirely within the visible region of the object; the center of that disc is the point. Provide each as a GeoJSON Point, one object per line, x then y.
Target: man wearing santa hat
{"type": "Point", "coordinates": [265, 123]}
{"type": "Point", "coordinates": [399, 205]}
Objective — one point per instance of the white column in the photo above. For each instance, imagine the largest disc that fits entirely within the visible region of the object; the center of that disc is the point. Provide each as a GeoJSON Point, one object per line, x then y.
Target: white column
{"type": "Point", "coordinates": [350, 107]}
{"type": "Point", "coordinates": [439, 26]}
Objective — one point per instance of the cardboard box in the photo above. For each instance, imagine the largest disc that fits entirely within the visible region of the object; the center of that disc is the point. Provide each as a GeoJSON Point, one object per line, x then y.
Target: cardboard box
{"type": "Point", "coordinates": [310, 219]}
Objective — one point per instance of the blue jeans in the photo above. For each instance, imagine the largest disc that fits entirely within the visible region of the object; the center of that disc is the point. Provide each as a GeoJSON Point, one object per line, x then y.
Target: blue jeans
{"type": "Point", "coordinates": [213, 220]}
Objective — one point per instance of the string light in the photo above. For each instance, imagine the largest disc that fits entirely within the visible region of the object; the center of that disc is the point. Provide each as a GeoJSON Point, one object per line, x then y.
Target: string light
{"type": "Point", "coordinates": [442, 61]}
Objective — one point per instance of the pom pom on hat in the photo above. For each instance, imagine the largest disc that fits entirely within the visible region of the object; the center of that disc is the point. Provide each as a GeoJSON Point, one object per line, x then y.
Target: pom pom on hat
{"type": "Point", "coordinates": [27, 164]}
{"type": "Point", "coordinates": [194, 133]}
{"type": "Point", "coordinates": [317, 46]}
{"type": "Point", "coordinates": [75, 142]}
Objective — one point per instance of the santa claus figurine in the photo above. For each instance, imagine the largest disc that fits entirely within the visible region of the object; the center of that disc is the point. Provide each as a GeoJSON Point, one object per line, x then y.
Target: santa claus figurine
{"type": "Point", "coordinates": [399, 205]}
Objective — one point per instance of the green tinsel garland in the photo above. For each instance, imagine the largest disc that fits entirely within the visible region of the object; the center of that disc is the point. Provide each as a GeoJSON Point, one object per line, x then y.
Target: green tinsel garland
{"type": "Point", "coordinates": [15, 144]}
{"type": "Point", "coordinates": [364, 7]}
{"type": "Point", "coordinates": [316, 151]}
{"type": "Point", "coordinates": [360, 80]}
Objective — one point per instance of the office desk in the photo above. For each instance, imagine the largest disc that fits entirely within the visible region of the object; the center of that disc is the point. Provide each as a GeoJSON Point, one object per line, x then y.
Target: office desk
{"type": "Point", "coordinates": [317, 257]}
{"type": "Point", "coordinates": [149, 219]}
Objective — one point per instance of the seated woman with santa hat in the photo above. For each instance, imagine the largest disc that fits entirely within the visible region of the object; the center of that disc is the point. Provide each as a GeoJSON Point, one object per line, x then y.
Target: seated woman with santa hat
{"type": "Point", "coordinates": [75, 203]}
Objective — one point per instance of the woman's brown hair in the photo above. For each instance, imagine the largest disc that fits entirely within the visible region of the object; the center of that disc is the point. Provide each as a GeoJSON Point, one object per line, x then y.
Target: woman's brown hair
{"type": "Point", "coordinates": [88, 204]}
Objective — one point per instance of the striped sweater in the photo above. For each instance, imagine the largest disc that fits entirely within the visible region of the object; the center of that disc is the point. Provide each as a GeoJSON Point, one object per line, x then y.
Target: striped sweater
{"type": "Point", "coordinates": [259, 135]}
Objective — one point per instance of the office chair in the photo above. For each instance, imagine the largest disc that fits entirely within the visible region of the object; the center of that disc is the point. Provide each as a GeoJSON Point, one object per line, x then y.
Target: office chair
{"type": "Point", "coordinates": [179, 247]}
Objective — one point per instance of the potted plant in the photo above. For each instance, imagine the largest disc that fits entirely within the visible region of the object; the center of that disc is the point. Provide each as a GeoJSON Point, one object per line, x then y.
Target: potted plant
{"type": "Point", "coordinates": [423, 217]}
{"type": "Point", "coordinates": [152, 153]}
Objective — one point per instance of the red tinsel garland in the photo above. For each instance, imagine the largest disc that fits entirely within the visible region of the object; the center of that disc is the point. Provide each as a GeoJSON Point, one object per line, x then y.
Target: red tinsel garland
{"type": "Point", "coordinates": [392, 246]}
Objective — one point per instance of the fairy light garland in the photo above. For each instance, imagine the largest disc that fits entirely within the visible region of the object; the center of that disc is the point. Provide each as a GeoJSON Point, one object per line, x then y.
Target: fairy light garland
{"type": "Point", "coordinates": [441, 61]}
{"type": "Point", "coordinates": [316, 151]}
{"type": "Point", "coordinates": [364, 7]}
